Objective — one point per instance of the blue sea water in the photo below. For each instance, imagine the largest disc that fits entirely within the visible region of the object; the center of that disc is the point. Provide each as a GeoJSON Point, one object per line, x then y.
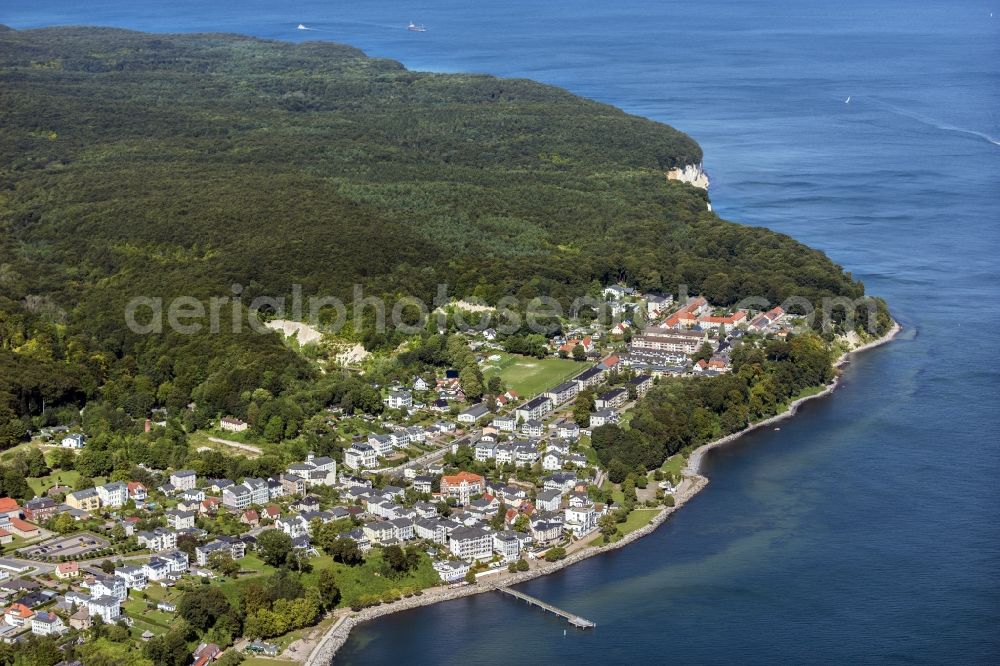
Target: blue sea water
{"type": "Point", "coordinates": [866, 529]}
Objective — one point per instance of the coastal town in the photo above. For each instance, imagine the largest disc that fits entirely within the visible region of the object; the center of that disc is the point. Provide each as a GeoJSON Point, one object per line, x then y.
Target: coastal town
{"type": "Point", "coordinates": [439, 490]}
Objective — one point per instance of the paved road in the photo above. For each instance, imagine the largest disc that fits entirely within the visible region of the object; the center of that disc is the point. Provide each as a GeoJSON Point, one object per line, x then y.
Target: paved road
{"type": "Point", "coordinates": [599, 478]}
{"type": "Point", "coordinates": [425, 459]}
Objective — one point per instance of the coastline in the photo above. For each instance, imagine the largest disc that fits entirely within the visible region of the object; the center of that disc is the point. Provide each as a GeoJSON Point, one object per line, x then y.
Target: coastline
{"type": "Point", "coordinates": [694, 482]}
{"type": "Point", "coordinates": [693, 467]}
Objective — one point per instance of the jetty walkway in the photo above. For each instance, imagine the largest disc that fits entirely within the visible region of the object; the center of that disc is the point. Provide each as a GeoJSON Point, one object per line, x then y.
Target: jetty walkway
{"type": "Point", "coordinates": [575, 620]}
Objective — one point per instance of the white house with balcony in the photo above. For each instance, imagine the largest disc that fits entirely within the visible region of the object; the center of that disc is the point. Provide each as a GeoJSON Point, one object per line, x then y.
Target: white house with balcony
{"type": "Point", "coordinates": [113, 494]}
{"type": "Point", "coordinates": [534, 409]}
{"type": "Point", "coordinates": [229, 545]}
{"type": "Point", "coordinates": [251, 491]}
{"type": "Point", "coordinates": [433, 529]}
{"type": "Point", "coordinates": [184, 479]}
{"type": "Point", "coordinates": [74, 441]}
{"type": "Point", "coordinates": [294, 525]}
{"type": "Point", "coordinates": [107, 586]}
{"type": "Point", "coordinates": [507, 544]}
{"type": "Point", "coordinates": [107, 608]}
{"type": "Point", "coordinates": [134, 577]}
{"type": "Point", "coordinates": [563, 392]}
{"type": "Point", "coordinates": [380, 532]}
{"type": "Point", "coordinates": [548, 500]}
{"type": "Point", "coordinates": [504, 423]}
{"type": "Point", "coordinates": [47, 624]}
{"type": "Point", "coordinates": [157, 539]}
{"type": "Point", "coordinates": [485, 450]}
{"type": "Point", "coordinates": [580, 520]}
{"type": "Point", "coordinates": [568, 430]}
{"type": "Point", "coordinates": [452, 571]}
{"type": "Point", "coordinates": [383, 444]}
{"type": "Point", "coordinates": [471, 543]}
{"type": "Point", "coordinates": [552, 461]}
{"type": "Point", "coordinates": [399, 400]}
{"type": "Point", "coordinates": [360, 456]}
{"type": "Point", "coordinates": [180, 520]}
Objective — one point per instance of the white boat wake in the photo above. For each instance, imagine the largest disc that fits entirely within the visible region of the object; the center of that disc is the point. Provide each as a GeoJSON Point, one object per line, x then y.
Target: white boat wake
{"type": "Point", "coordinates": [367, 24]}
{"type": "Point", "coordinates": [935, 124]}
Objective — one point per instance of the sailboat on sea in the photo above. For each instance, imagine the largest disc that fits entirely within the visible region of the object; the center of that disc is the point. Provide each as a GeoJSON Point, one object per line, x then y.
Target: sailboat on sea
{"type": "Point", "coordinates": [848, 100]}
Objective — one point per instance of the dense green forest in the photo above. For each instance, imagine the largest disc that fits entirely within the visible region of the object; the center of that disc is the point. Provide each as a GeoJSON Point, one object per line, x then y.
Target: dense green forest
{"type": "Point", "coordinates": [163, 165]}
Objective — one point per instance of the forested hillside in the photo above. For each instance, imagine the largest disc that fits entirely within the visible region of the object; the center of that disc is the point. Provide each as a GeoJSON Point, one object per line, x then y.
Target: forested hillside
{"type": "Point", "coordinates": [162, 165]}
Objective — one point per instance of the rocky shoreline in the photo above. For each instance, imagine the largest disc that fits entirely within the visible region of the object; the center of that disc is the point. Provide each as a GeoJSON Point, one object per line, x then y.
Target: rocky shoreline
{"type": "Point", "coordinates": [335, 637]}
{"type": "Point", "coordinates": [693, 467]}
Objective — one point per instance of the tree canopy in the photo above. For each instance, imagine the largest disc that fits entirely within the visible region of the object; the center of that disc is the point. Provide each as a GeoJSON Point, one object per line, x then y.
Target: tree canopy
{"type": "Point", "coordinates": [168, 165]}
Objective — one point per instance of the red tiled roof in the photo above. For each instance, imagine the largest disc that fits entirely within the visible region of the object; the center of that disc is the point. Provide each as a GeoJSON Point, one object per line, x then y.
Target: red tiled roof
{"type": "Point", "coordinates": [23, 525]}
{"type": "Point", "coordinates": [731, 319]}
{"type": "Point", "coordinates": [573, 342]}
{"type": "Point", "coordinates": [209, 650]}
{"type": "Point", "coordinates": [19, 610]}
{"type": "Point", "coordinates": [456, 479]}
{"type": "Point", "coordinates": [685, 313]}
{"type": "Point", "coordinates": [8, 504]}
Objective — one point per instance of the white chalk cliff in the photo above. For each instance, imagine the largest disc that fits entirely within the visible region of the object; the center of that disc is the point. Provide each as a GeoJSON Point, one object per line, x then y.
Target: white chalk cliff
{"type": "Point", "coordinates": [693, 174]}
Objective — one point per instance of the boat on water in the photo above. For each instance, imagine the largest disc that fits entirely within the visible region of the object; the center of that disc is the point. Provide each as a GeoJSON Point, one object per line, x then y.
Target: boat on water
{"type": "Point", "coordinates": [413, 27]}
{"type": "Point", "coordinates": [302, 27]}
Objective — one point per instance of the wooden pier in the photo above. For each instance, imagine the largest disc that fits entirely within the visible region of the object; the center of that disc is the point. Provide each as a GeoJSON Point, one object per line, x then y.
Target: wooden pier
{"type": "Point", "coordinates": [575, 620]}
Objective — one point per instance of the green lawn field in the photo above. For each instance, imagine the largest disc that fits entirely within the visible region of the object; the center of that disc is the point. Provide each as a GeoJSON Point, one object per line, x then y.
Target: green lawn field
{"type": "Point", "coordinates": [674, 464]}
{"type": "Point", "coordinates": [635, 520]}
{"type": "Point", "coordinates": [530, 376]}
{"type": "Point", "coordinates": [354, 582]}
{"type": "Point", "coordinates": [42, 484]}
